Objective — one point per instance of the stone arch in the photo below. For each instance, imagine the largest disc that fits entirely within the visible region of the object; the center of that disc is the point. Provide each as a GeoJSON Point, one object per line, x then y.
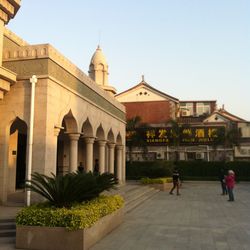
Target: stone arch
{"type": "Point", "coordinates": [69, 126]}
{"type": "Point", "coordinates": [119, 139]}
{"type": "Point", "coordinates": [91, 67]}
{"type": "Point", "coordinates": [111, 137]}
{"type": "Point", "coordinates": [70, 123]}
{"type": "Point", "coordinates": [100, 135]}
{"type": "Point", "coordinates": [87, 129]}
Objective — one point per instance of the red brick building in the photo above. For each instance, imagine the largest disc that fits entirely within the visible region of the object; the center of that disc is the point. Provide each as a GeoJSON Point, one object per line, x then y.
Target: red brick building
{"type": "Point", "coordinates": [200, 120]}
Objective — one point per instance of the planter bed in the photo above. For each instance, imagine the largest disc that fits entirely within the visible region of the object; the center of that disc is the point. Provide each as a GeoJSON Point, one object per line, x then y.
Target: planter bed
{"type": "Point", "coordinates": [60, 238]}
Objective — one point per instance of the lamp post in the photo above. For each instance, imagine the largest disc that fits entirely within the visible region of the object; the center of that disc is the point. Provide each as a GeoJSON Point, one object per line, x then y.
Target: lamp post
{"type": "Point", "coordinates": [33, 81]}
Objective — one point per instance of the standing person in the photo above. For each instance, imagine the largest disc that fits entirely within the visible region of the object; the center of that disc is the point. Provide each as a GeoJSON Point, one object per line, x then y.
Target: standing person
{"type": "Point", "coordinates": [230, 182]}
{"type": "Point", "coordinates": [176, 182]}
{"type": "Point", "coordinates": [81, 168]}
{"type": "Point", "coordinates": [223, 181]}
{"type": "Point", "coordinates": [96, 167]}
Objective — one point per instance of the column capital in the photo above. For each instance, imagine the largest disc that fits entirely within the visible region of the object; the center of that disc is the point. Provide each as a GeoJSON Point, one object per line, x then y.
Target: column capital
{"type": "Point", "coordinates": [111, 145]}
{"type": "Point", "coordinates": [56, 131]}
{"type": "Point", "coordinates": [89, 140]}
{"type": "Point", "coordinates": [74, 136]}
{"type": "Point", "coordinates": [119, 147]}
{"type": "Point", "coordinates": [101, 143]}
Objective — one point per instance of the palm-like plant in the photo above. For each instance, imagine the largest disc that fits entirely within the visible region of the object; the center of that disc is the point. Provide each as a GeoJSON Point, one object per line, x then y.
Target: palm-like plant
{"type": "Point", "coordinates": [135, 135]}
{"type": "Point", "coordinates": [176, 133]}
{"type": "Point", "coordinates": [63, 191]}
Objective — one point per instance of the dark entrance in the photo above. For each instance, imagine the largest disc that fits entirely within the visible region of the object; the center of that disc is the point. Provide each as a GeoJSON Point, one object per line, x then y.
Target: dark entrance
{"type": "Point", "coordinates": [21, 160]}
{"type": "Point", "coordinates": [21, 127]}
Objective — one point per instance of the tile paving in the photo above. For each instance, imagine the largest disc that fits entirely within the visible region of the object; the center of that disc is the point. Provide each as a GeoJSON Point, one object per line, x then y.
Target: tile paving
{"type": "Point", "coordinates": [200, 219]}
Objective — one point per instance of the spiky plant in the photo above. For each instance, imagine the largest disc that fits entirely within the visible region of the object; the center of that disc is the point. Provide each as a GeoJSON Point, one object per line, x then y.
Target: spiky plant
{"type": "Point", "coordinates": [63, 191]}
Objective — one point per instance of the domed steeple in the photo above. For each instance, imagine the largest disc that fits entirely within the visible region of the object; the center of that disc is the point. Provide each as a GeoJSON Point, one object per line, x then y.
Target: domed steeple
{"type": "Point", "coordinates": [99, 58]}
{"type": "Point", "coordinates": [98, 71]}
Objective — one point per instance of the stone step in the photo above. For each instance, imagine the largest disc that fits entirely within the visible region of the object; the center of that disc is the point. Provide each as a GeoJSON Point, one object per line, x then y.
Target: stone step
{"type": "Point", "coordinates": [133, 193]}
{"type": "Point", "coordinates": [129, 206]}
{"type": "Point", "coordinates": [4, 241]}
{"type": "Point", "coordinates": [9, 233]}
{"type": "Point", "coordinates": [137, 192]}
{"type": "Point", "coordinates": [7, 228]}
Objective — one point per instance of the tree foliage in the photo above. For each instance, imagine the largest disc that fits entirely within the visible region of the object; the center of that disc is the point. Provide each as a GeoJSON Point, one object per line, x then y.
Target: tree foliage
{"type": "Point", "coordinates": [135, 135]}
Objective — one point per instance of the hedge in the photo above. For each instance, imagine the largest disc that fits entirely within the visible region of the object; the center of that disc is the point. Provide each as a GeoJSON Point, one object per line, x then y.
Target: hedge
{"type": "Point", "coordinates": [189, 170]}
{"type": "Point", "coordinates": [156, 180]}
{"type": "Point", "coordinates": [151, 169]}
{"type": "Point", "coordinates": [78, 217]}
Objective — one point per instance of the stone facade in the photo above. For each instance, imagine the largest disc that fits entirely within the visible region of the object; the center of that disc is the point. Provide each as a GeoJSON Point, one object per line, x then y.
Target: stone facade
{"type": "Point", "coordinates": [75, 120]}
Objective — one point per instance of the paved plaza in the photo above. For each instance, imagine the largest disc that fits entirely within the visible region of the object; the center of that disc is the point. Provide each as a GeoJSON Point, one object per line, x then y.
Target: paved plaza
{"type": "Point", "coordinates": [201, 218]}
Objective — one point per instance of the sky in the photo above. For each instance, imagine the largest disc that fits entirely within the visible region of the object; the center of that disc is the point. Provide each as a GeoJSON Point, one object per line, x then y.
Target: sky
{"type": "Point", "coordinates": [189, 49]}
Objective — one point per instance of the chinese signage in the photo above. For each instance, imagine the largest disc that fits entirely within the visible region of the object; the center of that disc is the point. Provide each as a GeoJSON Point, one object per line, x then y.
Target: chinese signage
{"type": "Point", "coordinates": [189, 135]}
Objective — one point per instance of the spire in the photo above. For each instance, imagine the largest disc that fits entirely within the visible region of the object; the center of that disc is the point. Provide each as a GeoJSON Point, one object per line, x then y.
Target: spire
{"type": "Point", "coordinates": [142, 78]}
{"type": "Point", "coordinates": [98, 70]}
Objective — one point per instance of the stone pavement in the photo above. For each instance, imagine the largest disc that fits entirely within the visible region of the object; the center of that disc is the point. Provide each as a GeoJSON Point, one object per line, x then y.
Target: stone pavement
{"type": "Point", "coordinates": [201, 218]}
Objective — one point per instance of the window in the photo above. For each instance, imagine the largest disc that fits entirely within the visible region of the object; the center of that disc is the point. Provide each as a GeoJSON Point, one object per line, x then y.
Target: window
{"type": "Point", "coordinates": [187, 108]}
{"type": "Point", "coordinates": [203, 108]}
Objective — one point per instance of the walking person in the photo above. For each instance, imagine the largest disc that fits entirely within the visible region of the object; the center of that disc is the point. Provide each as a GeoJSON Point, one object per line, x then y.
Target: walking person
{"type": "Point", "coordinates": [176, 182]}
{"type": "Point", "coordinates": [230, 182]}
{"type": "Point", "coordinates": [222, 176]}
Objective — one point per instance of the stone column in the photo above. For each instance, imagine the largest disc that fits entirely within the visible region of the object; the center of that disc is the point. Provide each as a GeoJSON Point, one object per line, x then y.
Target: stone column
{"type": "Point", "coordinates": [124, 164]}
{"type": "Point", "coordinates": [73, 151]}
{"type": "Point", "coordinates": [111, 157]}
{"type": "Point", "coordinates": [4, 138]}
{"type": "Point", "coordinates": [102, 145]}
{"type": "Point", "coordinates": [119, 162]}
{"type": "Point", "coordinates": [89, 153]}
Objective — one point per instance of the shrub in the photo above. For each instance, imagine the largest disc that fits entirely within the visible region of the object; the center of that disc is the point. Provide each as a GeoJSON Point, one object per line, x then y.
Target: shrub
{"type": "Point", "coordinates": [189, 170]}
{"type": "Point", "coordinates": [63, 191]}
{"type": "Point", "coordinates": [156, 180]}
{"type": "Point", "coordinates": [151, 169]}
{"type": "Point", "coordinates": [79, 216]}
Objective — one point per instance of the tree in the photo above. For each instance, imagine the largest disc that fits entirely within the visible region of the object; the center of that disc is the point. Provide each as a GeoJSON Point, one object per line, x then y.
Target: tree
{"type": "Point", "coordinates": [226, 137]}
{"type": "Point", "coordinates": [135, 135]}
{"type": "Point", "coordinates": [175, 137]}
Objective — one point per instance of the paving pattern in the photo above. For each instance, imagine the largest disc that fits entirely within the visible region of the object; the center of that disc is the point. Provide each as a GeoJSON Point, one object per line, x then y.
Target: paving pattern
{"type": "Point", "coordinates": [199, 219]}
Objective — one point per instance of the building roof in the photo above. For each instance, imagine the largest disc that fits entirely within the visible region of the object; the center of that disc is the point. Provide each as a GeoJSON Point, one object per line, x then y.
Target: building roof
{"type": "Point", "coordinates": [145, 84]}
{"type": "Point", "coordinates": [226, 115]}
{"type": "Point", "coordinates": [181, 101]}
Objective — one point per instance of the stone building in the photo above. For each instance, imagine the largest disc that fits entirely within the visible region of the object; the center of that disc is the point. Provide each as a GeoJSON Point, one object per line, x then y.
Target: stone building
{"type": "Point", "coordinates": [76, 117]}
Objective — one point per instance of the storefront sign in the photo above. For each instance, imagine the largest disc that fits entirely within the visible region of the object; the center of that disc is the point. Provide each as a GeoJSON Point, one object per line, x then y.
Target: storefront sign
{"type": "Point", "coordinates": [190, 135]}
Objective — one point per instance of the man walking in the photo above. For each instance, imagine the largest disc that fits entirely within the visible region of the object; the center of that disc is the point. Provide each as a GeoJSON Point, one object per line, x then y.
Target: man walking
{"type": "Point", "coordinates": [176, 182]}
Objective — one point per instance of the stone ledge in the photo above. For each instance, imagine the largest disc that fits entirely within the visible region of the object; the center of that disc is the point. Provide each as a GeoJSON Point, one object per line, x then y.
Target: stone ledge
{"type": "Point", "coordinates": [59, 238]}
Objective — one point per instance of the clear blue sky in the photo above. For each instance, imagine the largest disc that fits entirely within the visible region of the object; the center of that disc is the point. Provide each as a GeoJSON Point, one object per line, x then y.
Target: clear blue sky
{"type": "Point", "coordinates": [190, 49]}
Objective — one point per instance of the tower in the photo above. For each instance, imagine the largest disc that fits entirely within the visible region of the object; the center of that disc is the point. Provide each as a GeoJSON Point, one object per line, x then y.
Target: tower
{"type": "Point", "coordinates": [98, 71]}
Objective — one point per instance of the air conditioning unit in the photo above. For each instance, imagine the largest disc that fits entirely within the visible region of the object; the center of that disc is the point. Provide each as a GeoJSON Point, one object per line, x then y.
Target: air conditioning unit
{"type": "Point", "coordinates": [185, 113]}
{"type": "Point", "coordinates": [200, 156]}
{"type": "Point", "coordinates": [159, 156]}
